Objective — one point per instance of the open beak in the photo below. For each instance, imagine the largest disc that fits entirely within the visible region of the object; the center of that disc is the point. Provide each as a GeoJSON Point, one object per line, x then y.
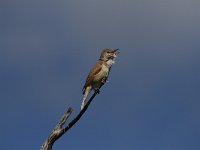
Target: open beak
{"type": "Point", "coordinates": [116, 51]}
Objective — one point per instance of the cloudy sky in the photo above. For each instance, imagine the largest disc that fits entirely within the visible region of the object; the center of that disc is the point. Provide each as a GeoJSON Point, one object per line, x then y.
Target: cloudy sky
{"type": "Point", "coordinates": [152, 100]}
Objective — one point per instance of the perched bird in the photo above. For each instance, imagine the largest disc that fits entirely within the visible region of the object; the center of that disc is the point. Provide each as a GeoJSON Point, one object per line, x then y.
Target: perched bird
{"type": "Point", "coordinates": [99, 73]}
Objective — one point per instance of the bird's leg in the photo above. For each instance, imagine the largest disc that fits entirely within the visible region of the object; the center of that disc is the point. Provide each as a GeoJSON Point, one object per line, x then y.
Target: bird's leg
{"type": "Point", "coordinates": [97, 91]}
{"type": "Point", "coordinates": [104, 80]}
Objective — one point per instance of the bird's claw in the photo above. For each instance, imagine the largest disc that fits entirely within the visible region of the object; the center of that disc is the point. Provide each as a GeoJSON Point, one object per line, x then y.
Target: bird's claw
{"type": "Point", "coordinates": [97, 91]}
{"type": "Point", "coordinates": [104, 80]}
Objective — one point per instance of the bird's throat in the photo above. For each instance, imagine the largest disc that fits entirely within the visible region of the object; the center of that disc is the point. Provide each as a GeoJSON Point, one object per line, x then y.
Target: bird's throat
{"type": "Point", "coordinates": [110, 62]}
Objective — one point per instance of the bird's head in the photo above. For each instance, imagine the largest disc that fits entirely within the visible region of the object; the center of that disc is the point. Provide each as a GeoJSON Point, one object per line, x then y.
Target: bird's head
{"type": "Point", "coordinates": [109, 53]}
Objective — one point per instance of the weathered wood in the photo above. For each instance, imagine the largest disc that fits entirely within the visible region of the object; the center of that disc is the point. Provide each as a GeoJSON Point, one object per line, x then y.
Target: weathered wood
{"type": "Point", "coordinates": [59, 130]}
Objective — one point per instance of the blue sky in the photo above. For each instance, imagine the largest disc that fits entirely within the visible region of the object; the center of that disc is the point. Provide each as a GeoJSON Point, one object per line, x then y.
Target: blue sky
{"type": "Point", "coordinates": [152, 99]}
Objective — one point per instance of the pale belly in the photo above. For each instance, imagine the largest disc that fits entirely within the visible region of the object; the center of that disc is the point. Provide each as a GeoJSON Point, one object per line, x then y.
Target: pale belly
{"type": "Point", "coordinates": [98, 77]}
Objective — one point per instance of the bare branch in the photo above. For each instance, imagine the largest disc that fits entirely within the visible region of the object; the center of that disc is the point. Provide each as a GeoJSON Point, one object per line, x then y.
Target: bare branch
{"type": "Point", "coordinates": [59, 130]}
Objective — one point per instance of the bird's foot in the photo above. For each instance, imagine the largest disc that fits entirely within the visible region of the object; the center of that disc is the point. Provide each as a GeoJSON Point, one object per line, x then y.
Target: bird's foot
{"type": "Point", "coordinates": [104, 80]}
{"type": "Point", "coordinates": [97, 91]}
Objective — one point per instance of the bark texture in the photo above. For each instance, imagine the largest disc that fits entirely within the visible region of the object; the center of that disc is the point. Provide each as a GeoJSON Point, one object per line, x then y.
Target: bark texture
{"type": "Point", "coordinates": [61, 128]}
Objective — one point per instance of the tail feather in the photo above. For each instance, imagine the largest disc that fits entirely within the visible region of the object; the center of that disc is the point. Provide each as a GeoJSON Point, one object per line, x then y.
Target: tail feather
{"type": "Point", "coordinates": [83, 90]}
{"type": "Point", "coordinates": [83, 103]}
{"type": "Point", "coordinates": [86, 92]}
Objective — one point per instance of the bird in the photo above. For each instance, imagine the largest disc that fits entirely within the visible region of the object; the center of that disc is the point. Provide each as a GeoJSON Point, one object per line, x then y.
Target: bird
{"type": "Point", "coordinates": [98, 75]}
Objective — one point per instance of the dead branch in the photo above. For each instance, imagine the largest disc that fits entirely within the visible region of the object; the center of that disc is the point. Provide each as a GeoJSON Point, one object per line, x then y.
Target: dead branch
{"type": "Point", "coordinates": [59, 130]}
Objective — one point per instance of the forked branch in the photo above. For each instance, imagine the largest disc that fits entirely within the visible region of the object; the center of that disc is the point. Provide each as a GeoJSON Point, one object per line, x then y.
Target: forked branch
{"type": "Point", "coordinates": [59, 130]}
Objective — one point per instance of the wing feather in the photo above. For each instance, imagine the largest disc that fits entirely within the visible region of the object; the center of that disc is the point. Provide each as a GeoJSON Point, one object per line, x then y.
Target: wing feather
{"type": "Point", "coordinates": [90, 78]}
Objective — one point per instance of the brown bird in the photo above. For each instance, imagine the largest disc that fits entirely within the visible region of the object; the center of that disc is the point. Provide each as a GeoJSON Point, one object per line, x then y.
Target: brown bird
{"type": "Point", "coordinates": [99, 73]}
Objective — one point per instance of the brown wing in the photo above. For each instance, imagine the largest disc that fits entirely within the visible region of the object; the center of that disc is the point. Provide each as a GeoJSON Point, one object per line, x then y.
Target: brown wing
{"type": "Point", "coordinates": [95, 70]}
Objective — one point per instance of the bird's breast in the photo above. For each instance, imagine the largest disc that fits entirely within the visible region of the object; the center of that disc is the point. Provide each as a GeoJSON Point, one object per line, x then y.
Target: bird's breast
{"type": "Point", "coordinates": [102, 73]}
